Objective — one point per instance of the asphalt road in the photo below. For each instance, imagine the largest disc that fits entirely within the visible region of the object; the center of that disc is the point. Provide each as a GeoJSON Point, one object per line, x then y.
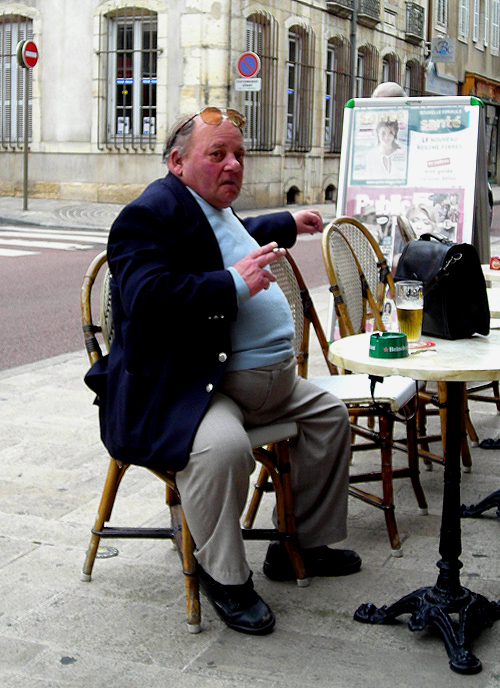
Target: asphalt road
{"type": "Point", "coordinates": [40, 297]}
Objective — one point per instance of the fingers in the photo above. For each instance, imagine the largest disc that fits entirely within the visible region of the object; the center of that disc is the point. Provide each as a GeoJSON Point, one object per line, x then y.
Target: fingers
{"type": "Point", "coordinates": [267, 254]}
{"type": "Point", "coordinates": [252, 267]}
{"type": "Point", "coordinates": [308, 221]}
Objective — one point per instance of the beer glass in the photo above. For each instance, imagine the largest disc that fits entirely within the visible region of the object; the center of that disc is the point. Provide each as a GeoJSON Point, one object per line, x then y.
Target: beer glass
{"type": "Point", "coordinates": [410, 308]}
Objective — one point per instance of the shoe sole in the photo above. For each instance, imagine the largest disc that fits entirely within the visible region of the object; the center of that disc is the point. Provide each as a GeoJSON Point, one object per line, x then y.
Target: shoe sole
{"type": "Point", "coordinates": [347, 571]}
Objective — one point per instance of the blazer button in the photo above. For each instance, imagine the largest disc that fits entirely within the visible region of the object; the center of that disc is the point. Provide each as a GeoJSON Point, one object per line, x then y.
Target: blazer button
{"type": "Point", "coordinates": [209, 387]}
{"type": "Point", "coordinates": [222, 357]}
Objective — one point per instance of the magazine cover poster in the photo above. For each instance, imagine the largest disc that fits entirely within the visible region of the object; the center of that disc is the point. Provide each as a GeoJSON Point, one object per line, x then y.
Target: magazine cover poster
{"type": "Point", "coordinates": [396, 215]}
{"type": "Point", "coordinates": [380, 146]}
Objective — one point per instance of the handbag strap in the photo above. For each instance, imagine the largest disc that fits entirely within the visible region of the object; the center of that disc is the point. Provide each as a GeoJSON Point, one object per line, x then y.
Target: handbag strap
{"type": "Point", "coordinates": [441, 273]}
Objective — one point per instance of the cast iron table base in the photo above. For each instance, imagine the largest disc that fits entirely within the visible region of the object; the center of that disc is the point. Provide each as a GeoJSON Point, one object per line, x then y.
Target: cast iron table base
{"type": "Point", "coordinates": [432, 606]}
{"type": "Point", "coordinates": [475, 510]}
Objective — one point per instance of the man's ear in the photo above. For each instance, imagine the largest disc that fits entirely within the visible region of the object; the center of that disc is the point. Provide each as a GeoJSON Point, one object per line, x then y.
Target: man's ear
{"type": "Point", "coordinates": [174, 162]}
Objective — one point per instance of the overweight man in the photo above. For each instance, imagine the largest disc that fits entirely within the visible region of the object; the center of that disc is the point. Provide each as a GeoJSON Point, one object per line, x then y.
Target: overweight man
{"type": "Point", "coordinates": [203, 350]}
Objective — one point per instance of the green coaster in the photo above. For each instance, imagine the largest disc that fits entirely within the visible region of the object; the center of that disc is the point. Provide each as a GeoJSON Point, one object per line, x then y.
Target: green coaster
{"type": "Point", "coordinates": [388, 345]}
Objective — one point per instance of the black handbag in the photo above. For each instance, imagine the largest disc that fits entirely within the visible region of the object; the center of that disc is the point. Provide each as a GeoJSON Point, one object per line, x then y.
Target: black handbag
{"type": "Point", "coordinates": [455, 297]}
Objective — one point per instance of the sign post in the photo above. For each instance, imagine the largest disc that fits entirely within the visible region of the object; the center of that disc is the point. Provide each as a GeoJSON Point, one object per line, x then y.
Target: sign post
{"type": "Point", "coordinates": [248, 66]}
{"type": "Point", "coordinates": [27, 57]}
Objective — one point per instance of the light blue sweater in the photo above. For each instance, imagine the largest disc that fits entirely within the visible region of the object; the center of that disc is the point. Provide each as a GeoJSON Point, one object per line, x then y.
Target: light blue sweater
{"type": "Point", "coordinates": [263, 331]}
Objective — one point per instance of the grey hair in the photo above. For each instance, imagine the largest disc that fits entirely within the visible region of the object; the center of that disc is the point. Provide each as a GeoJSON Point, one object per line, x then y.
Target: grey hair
{"type": "Point", "coordinates": [389, 89]}
{"type": "Point", "coordinates": [179, 136]}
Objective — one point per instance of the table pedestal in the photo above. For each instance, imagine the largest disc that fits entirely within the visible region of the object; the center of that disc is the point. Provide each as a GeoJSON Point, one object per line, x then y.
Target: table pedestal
{"type": "Point", "coordinates": [432, 606]}
{"type": "Point", "coordinates": [475, 510]}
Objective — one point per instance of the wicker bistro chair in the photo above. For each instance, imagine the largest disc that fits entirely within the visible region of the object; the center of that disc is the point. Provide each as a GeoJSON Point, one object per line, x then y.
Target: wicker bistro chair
{"type": "Point", "coordinates": [369, 256]}
{"type": "Point", "coordinates": [270, 446]}
{"type": "Point", "coordinates": [392, 395]}
{"type": "Point", "coordinates": [393, 399]}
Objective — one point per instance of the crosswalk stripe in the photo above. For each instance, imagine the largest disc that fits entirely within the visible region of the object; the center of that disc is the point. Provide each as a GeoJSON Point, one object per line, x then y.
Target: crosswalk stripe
{"type": "Point", "coordinates": [57, 245]}
{"type": "Point", "coordinates": [71, 237]}
{"type": "Point", "coordinates": [13, 253]}
{"type": "Point", "coordinates": [18, 240]}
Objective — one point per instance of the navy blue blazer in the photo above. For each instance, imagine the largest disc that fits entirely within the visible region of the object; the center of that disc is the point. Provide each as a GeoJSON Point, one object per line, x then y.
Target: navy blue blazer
{"type": "Point", "coordinates": [173, 303]}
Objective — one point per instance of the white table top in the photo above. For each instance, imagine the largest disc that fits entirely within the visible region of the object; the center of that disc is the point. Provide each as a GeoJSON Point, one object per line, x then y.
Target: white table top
{"type": "Point", "coordinates": [489, 274]}
{"type": "Point", "coordinates": [477, 358]}
{"type": "Point", "coordinates": [494, 301]}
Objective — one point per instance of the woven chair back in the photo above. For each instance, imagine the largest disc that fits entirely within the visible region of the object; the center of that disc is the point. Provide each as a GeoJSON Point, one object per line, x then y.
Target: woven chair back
{"type": "Point", "coordinates": [348, 285]}
{"type": "Point", "coordinates": [107, 327]}
{"type": "Point", "coordinates": [369, 256]}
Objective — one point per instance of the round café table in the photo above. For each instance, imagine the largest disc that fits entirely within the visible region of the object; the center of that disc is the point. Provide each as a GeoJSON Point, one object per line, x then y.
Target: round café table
{"type": "Point", "coordinates": [489, 274]}
{"type": "Point", "coordinates": [451, 362]}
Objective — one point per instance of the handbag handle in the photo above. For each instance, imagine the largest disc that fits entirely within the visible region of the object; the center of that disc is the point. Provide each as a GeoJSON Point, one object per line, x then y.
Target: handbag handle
{"type": "Point", "coordinates": [439, 237]}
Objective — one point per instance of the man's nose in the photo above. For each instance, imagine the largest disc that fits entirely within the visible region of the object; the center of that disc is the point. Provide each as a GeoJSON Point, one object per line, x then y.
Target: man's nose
{"type": "Point", "coordinates": [233, 163]}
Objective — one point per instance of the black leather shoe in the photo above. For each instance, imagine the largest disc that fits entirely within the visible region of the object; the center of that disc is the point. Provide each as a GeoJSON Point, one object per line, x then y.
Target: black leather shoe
{"type": "Point", "coordinates": [238, 606]}
{"type": "Point", "coordinates": [318, 561]}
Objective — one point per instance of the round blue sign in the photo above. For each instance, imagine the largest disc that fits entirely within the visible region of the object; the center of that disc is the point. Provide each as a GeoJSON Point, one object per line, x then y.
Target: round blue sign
{"type": "Point", "coordinates": [248, 64]}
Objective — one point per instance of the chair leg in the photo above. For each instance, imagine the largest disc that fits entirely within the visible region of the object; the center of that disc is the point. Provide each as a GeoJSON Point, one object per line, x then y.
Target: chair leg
{"type": "Point", "coordinates": [467, 431]}
{"type": "Point", "coordinates": [411, 433]}
{"type": "Point", "coordinates": [193, 614]}
{"type": "Point", "coordinates": [185, 547]}
{"type": "Point", "coordinates": [284, 512]}
{"type": "Point", "coordinates": [113, 478]}
{"type": "Point", "coordinates": [260, 487]}
{"type": "Point", "coordinates": [276, 465]}
{"type": "Point", "coordinates": [386, 428]}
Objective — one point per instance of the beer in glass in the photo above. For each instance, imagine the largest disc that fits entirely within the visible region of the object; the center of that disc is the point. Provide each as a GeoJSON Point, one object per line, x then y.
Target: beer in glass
{"type": "Point", "coordinates": [409, 306]}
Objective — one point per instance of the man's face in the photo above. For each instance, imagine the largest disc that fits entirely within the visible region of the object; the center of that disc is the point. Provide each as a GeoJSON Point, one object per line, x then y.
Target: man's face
{"type": "Point", "coordinates": [213, 163]}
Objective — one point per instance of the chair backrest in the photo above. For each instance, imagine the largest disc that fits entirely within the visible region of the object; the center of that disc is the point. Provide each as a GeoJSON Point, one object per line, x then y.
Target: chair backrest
{"type": "Point", "coordinates": [107, 327]}
{"type": "Point", "coordinates": [287, 275]}
{"type": "Point", "coordinates": [90, 329]}
{"type": "Point", "coordinates": [349, 287]}
{"type": "Point", "coordinates": [369, 256]}
{"type": "Point", "coordinates": [304, 314]}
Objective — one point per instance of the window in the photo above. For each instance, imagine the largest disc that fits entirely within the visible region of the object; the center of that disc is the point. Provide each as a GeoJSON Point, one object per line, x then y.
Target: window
{"type": "Point", "coordinates": [463, 19]}
{"type": "Point", "coordinates": [475, 23]}
{"type": "Point", "coordinates": [391, 67]}
{"type": "Point", "coordinates": [337, 91]}
{"type": "Point", "coordinates": [442, 12]}
{"type": "Point", "coordinates": [13, 81]}
{"type": "Point", "coordinates": [299, 89]}
{"type": "Point", "coordinates": [260, 106]}
{"type": "Point", "coordinates": [367, 71]}
{"type": "Point", "coordinates": [127, 60]}
{"type": "Point", "coordinates": [413, 78]}
{"type": "Point", "coordinates": [495, 20]}
{"type": "Point", "coordinates": [486, 21]}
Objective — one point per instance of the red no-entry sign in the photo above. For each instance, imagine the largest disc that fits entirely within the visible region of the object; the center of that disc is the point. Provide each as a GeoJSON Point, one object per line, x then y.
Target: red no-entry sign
{"type": "Point", "coordinates": [27, 54]}
{"type": "Point", "coordinates": [248, 64]}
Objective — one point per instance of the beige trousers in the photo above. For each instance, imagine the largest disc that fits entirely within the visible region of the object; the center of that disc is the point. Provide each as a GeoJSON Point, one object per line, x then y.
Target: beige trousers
{"type": "Point", "coordinates": [214, 484]}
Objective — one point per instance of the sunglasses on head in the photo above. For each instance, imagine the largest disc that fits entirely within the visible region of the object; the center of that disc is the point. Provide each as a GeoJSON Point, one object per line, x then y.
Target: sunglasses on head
{"type": "Point", "coordinates": [214, 115]}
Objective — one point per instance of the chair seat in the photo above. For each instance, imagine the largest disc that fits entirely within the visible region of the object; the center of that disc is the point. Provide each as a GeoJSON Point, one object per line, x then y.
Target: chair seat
{"type": "Point", "coordinates": [396, 391]}
{"type": "Point", "coordinates": [274, 432]}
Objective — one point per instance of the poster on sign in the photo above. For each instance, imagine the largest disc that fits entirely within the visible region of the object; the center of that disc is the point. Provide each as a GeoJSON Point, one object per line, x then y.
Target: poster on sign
{"type": "Point", "coordinates": [402, 166]}
{"type": "Point", "coordinates": [411, 166]}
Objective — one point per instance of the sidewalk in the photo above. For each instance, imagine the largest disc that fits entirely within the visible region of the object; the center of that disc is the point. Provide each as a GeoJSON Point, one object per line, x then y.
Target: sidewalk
{"type": "Point", "coordinates": [126, 628]}
{"type": "Point", "coordinates": [86, 215]}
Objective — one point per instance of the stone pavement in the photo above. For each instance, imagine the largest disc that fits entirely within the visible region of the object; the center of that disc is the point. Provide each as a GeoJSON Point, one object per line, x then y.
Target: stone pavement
{"type": "Point", "coordinates": [126, 629]}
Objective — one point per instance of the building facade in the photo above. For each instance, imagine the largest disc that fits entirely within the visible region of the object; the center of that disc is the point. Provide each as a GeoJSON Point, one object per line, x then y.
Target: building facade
{"type": "Point", "coordinates": [113, 76]}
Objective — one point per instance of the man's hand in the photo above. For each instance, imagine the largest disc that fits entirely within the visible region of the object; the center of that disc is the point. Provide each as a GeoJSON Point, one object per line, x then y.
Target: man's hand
{"type": "Point", "coordinates": [308, 221]}
{"type": "Point", "coordinates": [251, 267]}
